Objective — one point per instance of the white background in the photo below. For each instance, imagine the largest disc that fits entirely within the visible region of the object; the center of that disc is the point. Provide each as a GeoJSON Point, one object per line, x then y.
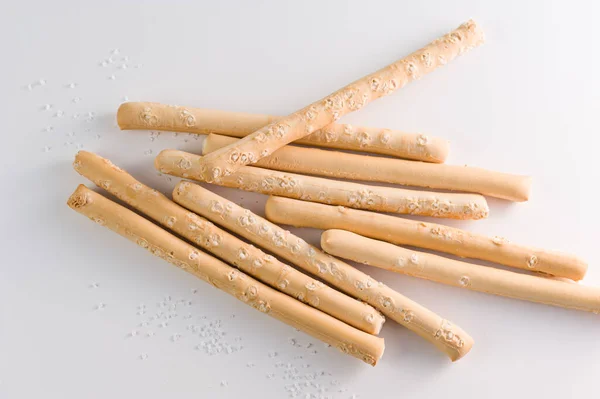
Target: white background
{"type": "Point", "coordinates": [526, 102]}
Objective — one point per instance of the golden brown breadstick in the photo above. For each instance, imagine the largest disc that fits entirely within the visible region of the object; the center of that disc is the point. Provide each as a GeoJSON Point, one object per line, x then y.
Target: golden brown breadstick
{"type": "Point", "coordinates": [319, 114]}
{"type": "Point", "coordinates": [383, 199]}
{"type": "Point", "coordinates": [312, 161]}
{"type": "Point", "coordinates": [261, 297]}
{"type": "Point", "coordinates": [224, 245]}
{"type": "Point", "coordinates": [155, 116]}
{"type": "Point", "coordinates": [450, 339]}
{"type": "Point", "coordinates": [425, 235]}
{"type": "Point", "coordinates": [460, 274]}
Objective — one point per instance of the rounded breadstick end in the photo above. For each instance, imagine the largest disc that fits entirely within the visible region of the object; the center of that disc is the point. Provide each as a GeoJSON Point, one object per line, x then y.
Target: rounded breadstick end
{"type": "Point", "coordinates": [328, 237]}
{"type": "Point", "coordinates": [271, 209]}
{"type": "Point", "coordinates": [176, 162]}
{"type": "Point", "coordinates": [523, 189]}
{"type": "Point", "coordinates": [476, 30]}
{"type": "Point", "coordinates": [165, 159]}
{"type": "Point", "coordinates": [438, 150]}
{"type": "Point", "coordinates": [159, 159]}
{"type": "Point", "coordinates": [579, 270]}
{"type": "Point", "coordinates": [125, 114]}
{"type": "Point", "coordinates": [207, 143]}
{"type": "Point", "coordinates": [376, 349]}
{"type": "Point", "coordinates": [465, 341]}
{"type": "Point", "coordinates": [79, 198]}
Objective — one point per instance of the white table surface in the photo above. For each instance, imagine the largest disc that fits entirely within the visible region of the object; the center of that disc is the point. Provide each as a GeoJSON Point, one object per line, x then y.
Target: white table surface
{"type": "Point", "coordinates": [526, 102]}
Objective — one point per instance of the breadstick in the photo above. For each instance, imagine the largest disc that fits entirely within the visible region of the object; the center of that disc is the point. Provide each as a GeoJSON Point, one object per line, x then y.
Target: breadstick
{"type": "Point", "coordinates": [155, 116]}
{"type": "Point", "coordinates": [460, 274]}
{"type": "Point", "coordinates": [224, 245]}
{"type": "Point", "coordinates": [383, 199]}
{"type": "Point", "coordinates": [342, 165]}
{"type": "Point", "coordinates": [319, 114]}
{"type": "Point", "coordinates": [425, 235]}
{"type": "Point", "coordinates": [349, 340]}
{"type": "Point", "coordinates": [450, 339]}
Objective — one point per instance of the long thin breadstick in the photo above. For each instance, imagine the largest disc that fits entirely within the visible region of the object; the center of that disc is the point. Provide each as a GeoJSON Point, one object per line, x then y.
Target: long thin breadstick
{"type": "Point", "coordinates": [224, 245]}
{"type": "Point", "coordinates": [450, 339]}
{"type": "Point", "coordinates": [312, 161]}
{"type": "Point", "coordinates": [460, 274]}
{"type": "Point", "coordinates": [349, 340]}
{"type": "Point", "coordinates": [425, 235]}
{"type": "Point", "coordinates": [155, 116]}
{"type": "Point", "coordinates": [383, 199]}
{"type": "Point", "coordinates": [319, 114]}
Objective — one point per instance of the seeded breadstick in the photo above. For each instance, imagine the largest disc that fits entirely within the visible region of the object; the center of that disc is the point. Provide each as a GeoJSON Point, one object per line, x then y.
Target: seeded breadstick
{"type": "Point", "coordinates": [425, 235]}
{"type": "Point", "coordinates": [267, 300]}
{"type": "Point", "coordinates": [155, 116]}
{"type": "Point", "coordinates": [224, 245]}
{"type": "Point", "coordinates": [312, 161]}
{"type": "Point", "coordinates": [450, 339]}
{"type": "Point", "coordinates": [383, 199]}
{"type": "Point", "coordinates": [319, 114]}
{"type": "Point", "coordinates": [460, 274]}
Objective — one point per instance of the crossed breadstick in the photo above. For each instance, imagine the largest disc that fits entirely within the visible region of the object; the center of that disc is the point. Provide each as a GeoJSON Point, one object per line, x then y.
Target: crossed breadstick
{"type": "Point", "coordinates": [155, 116]}
{"type": "Point", "coordinates": [264, 141]}
{"type": "Point", "coordinates": [447, 337]}
{"type": "Point", "coordinates": [302, 301]}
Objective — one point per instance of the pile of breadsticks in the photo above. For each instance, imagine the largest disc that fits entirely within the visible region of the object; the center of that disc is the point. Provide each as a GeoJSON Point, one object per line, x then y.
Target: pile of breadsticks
{"type": "Point", "coordinates": [305, 286]}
